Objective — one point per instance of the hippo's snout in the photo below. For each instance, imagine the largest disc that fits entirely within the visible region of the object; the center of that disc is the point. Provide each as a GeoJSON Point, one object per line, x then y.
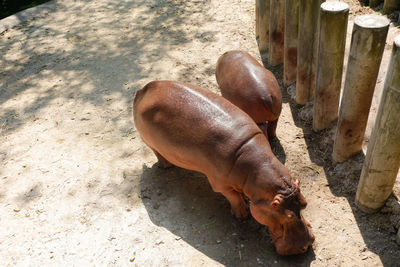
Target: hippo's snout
{"type": "Point", "coordinates": [292, 245]}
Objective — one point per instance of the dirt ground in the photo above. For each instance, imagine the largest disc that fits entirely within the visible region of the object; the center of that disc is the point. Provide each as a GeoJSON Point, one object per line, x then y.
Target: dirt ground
{"type": "Point", "coordinates": [77, 185]}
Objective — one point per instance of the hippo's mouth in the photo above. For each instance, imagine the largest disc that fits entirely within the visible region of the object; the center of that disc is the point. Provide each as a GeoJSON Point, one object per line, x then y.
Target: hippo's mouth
{"type": "Point", "coordinates": [284, 247]}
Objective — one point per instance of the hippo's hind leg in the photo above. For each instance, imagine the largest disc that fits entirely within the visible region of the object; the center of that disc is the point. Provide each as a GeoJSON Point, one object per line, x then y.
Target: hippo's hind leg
{"type": "Point", "coordinates": [269, 128]}
{"type": "Point", "coordinates": [263, 127]}
{"type": "Point", "coordinates": [162, 162]}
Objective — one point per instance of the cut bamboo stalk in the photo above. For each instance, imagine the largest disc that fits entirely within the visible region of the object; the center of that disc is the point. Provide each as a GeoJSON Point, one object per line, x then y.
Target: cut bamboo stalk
{"type": "Point", "coordinates": [276, 32]}
{"type": "Point", "coordinates": [382, 161]}
{"type": "Point", "coordinates": [390, 5]}
{"type": "Point", "coordinates": [374, 3]}
{"type": "Point", "coordinates": [257, 19]}
{"type": "Point", "coordinates": [332, 42]}
{"type": "Point", "coordinates": [306, 57]}
{"type": "Point", "coordinates": [291, 40]}
{"type": "Point", "coordinates": [264, 26]}
{"type": "Point", "coordinates": [366, 49]}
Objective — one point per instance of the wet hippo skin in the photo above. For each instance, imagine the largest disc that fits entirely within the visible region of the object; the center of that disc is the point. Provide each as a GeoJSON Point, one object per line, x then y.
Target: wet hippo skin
{"type": "Point", "coordinates": [251, 87]}
{"type": "Point", "coordinates": [198, 130]}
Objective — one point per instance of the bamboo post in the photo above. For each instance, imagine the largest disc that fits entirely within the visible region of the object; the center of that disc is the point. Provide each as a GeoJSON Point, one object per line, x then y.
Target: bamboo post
{"type": "Point", "coordinates": [276, 32]}
{"type": "Point", "coordinates": [382, 161]}
{"type": "Point", "coordinates": [264, 26]}
{"type": "Point", "coordinates": [390, 5]}
{"type": "Point", "coordinates": [290, 43]}
{"type": "Point", "coordinates": [257, 19]}
{"type": "Point", "coordinates": [332, 42]}
{"type": "Point", "coordinates": [313, 77]}
{"type": "Point", "coordinates": [374, 3]}
{"type": "Point", "coordinates": [308, 36]}
{"type": "Point", "coordinates": [366, 49]}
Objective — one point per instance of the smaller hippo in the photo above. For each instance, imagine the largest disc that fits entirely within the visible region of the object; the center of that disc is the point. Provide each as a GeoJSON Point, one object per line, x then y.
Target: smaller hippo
{"type": "Point", "coordinates": [251, 87]}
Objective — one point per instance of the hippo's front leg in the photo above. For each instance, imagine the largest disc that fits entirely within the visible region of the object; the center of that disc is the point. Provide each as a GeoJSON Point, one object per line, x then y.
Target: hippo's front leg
{"type": "Point", "coordinates": [271, 130]}
{"type": "Point", "coordinates": [238, 205]}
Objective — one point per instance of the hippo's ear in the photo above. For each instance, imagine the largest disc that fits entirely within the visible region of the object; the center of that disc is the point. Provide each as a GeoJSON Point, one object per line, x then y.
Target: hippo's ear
{"type": "Point", "coordinates": [276, 202]}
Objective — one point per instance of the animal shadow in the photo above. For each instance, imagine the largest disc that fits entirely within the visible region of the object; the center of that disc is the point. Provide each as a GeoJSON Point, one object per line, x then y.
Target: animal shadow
{"type": "Point", "coordinates": [183, 202]}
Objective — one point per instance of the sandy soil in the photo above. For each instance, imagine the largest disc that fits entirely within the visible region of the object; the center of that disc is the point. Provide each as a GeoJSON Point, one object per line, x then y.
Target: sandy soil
{"type": "Point", "coordinates": [79, 187]}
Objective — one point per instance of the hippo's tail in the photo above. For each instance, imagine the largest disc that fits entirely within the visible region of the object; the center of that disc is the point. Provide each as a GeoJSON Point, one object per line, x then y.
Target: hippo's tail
{"type": "Point", "coordinates": [274, 104]}
{"type": "Point", "coordinates": [137, 96]}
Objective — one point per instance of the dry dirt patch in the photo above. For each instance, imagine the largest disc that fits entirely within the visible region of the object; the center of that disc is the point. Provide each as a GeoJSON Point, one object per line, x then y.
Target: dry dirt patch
{"type": "Point", "coordinates": [79, 187]}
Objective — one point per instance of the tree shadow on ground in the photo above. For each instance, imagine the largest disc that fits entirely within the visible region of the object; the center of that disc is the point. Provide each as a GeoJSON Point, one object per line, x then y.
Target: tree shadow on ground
{"type": "Point", "coordinates": [101, 59]}
{"type": "Point", "coordinates": [342, 178]}
{"type": "Point", "coordinates": [183, 202]}
{"type": "Point", "coordinates": [30, 195]}
{"type": "Point", "coordinates": [8, 8]}
{"type": "Point", "coordinates": [91, 61]}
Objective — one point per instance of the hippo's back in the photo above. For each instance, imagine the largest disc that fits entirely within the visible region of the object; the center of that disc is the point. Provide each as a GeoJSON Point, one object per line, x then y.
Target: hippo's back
{"type": "Point", "coordinates": [191, 127]}
{"type": "Point", "coordinates": [250, 86]}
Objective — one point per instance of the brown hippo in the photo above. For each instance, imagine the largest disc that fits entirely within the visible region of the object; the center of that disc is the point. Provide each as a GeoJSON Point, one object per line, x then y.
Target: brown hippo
{"type": "Point", "coordinates": [251, 87]}
{"type": "Point", "coordinates": [198, 130]}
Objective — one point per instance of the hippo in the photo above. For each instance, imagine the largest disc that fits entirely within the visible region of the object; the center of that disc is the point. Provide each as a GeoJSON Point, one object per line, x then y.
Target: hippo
{"type": "Point", "coordinates": [251, 87]}
{"type": "Point", "coordinates": [196, 129]}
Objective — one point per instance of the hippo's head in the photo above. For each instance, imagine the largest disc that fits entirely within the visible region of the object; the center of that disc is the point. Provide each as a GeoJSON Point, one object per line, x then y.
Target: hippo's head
{"type": "Point", "coordinates": [290, 232]}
